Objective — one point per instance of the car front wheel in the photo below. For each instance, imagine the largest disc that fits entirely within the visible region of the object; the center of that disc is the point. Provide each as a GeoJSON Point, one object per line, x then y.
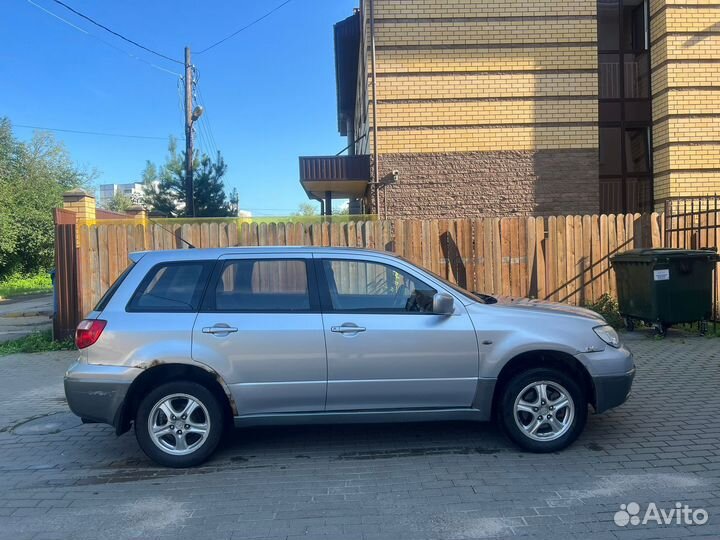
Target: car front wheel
{"type": "Point", "coordinates": [179, 424]}
{"type": "Point", "coordinates": [543, 410]}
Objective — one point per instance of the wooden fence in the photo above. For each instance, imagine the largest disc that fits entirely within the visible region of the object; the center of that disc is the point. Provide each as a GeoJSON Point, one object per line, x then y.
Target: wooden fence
{"type": "Point", "coordinates": [565, 259]}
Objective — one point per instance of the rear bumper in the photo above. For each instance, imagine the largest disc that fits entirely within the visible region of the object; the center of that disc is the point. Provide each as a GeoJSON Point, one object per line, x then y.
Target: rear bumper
{"type": "Point", "coordinates": [612, 390]}
{"type": "Point", "coordinates": [96, 393]}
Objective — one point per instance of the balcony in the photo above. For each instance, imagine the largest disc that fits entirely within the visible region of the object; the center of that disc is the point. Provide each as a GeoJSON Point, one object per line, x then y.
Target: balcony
{"type": "Point", "coordinates": [335, 177]}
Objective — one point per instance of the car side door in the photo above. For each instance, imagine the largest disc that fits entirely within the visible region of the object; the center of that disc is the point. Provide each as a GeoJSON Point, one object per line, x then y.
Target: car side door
{"type": "Point", "coordinates": [386, 348]}
{"type": "Point", "coordinates": [260, 322]}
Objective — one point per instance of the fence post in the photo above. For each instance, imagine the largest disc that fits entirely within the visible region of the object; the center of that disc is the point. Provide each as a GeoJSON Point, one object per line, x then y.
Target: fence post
{"type": "Point", "coordinates": [67, 306]}
{"type": "Point", "coordinates": [81, 203]}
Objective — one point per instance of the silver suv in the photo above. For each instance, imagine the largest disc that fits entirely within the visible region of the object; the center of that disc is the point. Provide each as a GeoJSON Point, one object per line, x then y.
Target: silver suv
{"type": "Point", "coordinates": [188, 342]}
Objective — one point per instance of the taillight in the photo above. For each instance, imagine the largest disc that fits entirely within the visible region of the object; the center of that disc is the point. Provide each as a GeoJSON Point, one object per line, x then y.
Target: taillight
{"type": "Point", "coordinates": [88, 332]}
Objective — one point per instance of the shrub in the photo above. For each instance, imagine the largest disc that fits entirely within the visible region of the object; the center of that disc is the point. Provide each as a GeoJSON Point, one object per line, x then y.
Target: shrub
{"type": "Point", "coordinates": [608, 307]}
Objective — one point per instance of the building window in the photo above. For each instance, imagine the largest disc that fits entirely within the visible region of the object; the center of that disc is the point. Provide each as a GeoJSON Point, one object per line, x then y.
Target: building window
{"type": "Point", "coordinates": [625, 112]}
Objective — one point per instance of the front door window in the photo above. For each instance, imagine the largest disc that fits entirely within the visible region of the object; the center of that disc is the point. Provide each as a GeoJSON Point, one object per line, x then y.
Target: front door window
{"type": "Point", "coordinates": [369, 287]}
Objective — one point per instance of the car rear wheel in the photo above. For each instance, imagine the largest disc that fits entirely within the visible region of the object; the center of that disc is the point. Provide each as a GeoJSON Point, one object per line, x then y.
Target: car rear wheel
{"type": "Point", "coordinates": [543, 410]}
{"type": "Point", "coordinates": [179, 424]}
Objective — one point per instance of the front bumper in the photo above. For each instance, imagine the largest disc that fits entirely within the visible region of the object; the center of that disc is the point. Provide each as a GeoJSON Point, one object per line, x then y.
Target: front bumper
{"type": "Point", "coordinates": [612, 390]}
{"type": "Point", "coordinates": [612, 372]}
{"type": "Point", "coordinates": [96, 393]}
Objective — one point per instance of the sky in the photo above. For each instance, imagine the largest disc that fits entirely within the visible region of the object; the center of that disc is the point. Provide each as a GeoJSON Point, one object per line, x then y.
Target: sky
{"type": "Point", "coordinates": [269, 93]}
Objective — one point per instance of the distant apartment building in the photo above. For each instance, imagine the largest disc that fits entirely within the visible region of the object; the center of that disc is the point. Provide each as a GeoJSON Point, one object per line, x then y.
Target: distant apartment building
{"type": "Point", "coordinates": [525, 107]}
{"type": "Point", "coordinates": [133, 190]}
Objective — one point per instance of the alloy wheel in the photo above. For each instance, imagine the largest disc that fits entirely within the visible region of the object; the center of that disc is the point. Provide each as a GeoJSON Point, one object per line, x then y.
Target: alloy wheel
{"type": "Point", "coordinates": [179, 424]}
{"type": "Point", "coordinates": [544, 411]}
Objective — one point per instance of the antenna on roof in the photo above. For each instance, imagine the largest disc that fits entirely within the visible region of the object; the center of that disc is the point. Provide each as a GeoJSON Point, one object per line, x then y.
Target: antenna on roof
{"type": "Point", "coordinates": [189, 245]}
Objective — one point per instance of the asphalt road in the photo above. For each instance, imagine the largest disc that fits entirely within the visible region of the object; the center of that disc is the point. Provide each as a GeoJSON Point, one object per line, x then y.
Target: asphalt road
{"type": "Point", "coordinates": [22, 316]}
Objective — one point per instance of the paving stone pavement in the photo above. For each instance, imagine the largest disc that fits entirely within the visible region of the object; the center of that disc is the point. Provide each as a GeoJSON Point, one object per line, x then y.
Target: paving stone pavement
{"type": "Point", "coordinates": [395, 482]}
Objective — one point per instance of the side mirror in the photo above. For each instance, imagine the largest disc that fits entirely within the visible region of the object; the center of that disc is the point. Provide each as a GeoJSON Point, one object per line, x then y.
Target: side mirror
{"type": "Point", "coordinates": [443, 304]}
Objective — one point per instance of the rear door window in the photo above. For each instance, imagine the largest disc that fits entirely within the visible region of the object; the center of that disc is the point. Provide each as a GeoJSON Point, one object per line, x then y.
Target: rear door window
{"type": "Point", "coordinates": [256, 285]}
{"type": "Point", "coordinates": [172, 288]}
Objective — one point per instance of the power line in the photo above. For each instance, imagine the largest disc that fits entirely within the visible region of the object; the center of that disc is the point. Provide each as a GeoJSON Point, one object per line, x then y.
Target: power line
{"type": "Point", "coordinates": [181, 104]}
{"type": "Point", "coordinates": [108, 44]}
{"type": "Point", "coordinates": [117, 34]}
{"type": "Point", "coordinates": [208, 124]}
{"type": "Point", "coordinates": [207, 143]}
{"type": "Point", "coordinates": [91, 132]}
{"type": "Point", "coordinates": [249, 25]}
{"type": "Point", "coordinates": [57, 16]}
{"type": "Point", "coordinates": [204, 124]}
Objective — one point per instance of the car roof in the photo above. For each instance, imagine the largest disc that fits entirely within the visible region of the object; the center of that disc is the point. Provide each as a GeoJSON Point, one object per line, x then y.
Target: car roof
{"type": "Point", "coordinates": [214, 253]}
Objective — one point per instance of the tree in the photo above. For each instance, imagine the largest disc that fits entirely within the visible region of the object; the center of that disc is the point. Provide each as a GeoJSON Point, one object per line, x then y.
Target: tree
{"type": "Point", "coordinates": [234, 202]}
{"type": "Point", "coordinates": [343, 210]}
{"type": "Point", "coordinates": [33, 177]}
{"type": "Point", "coordinates": [118, 202]}
{"type": "Point", "coordinates": [209, 188]}
{"type": "Point", "coordinates": [149, 182]}
{"type": "Point", "coordinates": [165, 188]}
{"type": "Point", "coordinates": [306, 209]}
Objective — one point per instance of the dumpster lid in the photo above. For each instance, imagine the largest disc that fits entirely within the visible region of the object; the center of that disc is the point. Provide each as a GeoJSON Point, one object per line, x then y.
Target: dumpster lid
{"type": "Point", "coordinates": [655, 254]}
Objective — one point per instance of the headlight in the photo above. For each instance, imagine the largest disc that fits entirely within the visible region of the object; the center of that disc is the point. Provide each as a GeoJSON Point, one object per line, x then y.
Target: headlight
{"type": "Point", "coordinates": [608, 334]}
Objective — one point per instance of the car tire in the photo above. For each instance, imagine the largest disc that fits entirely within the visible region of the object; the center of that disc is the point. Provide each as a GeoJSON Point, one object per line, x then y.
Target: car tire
{"type": "Point", "coordinates": [179, 424]}
{"type": "Point", "coordinates": [522, 403]}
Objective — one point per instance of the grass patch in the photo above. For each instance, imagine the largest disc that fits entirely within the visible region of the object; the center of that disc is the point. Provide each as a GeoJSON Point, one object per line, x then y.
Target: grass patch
{"type": "Point", "coordinates": [713, 329]}
{"type": "Point", "coordinates": [19, 285]}
{"type": "Point", "coordinates": [36, 342]}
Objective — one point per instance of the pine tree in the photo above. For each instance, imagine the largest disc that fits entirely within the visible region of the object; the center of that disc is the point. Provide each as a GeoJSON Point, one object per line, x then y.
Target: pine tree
{"type": "Point", "coordinates": [165, 188]}
{"type": "Point", "coordinates": [209, 188]}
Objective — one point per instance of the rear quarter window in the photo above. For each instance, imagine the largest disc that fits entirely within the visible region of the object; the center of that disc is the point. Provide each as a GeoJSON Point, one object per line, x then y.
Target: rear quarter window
{"type": "Point", "coordinates": [102, 304]}
{"type": "Point", "coordinates": [175, 287]}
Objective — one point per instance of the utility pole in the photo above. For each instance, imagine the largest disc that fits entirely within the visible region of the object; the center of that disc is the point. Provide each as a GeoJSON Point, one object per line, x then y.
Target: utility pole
{"type": "Point", "coordinates": [189, 202]}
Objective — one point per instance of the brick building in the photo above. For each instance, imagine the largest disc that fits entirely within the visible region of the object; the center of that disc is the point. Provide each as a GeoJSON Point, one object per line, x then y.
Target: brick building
{"type": "Point", "coordinates": [501, 107]}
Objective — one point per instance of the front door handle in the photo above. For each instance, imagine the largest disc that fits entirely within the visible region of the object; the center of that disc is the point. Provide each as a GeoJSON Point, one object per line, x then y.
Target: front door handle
{"type": "Point", "coordinates": [219, 330]}
{"type": "Point", "coordinates": [347, 329]}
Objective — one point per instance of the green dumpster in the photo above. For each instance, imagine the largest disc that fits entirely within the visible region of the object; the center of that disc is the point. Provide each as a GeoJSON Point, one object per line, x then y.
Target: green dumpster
{"type": "Point", "coordinates": [664, 287]}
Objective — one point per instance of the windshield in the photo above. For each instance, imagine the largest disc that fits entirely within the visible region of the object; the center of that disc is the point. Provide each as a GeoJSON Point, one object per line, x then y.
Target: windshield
{"type": "Point", "coordinates": [473, 296]}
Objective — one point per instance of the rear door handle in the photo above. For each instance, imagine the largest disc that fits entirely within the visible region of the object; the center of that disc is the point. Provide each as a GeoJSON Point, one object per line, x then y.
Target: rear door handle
{"type": "Point", "coordinates": [347, 329]}
{"type": "Point", "coordinates": [219, 330]}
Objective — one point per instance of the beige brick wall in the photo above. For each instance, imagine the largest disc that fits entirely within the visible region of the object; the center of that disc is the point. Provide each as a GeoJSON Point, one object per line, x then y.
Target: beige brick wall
{"type": "Point", "coordinates": [417, 9]}
{"type": "Point", "coordinates": [495, 63]}
{"type": "Point", "coordinates": [486, 139]}
{"type": "Point", "coordinates": [486, 113]}
{"type": "Point", "coordinates": [462, 77]}
{"type": "Point", "coordinates": [504, 59]}
{"type": "Point", "coordinates": [440, 86]}
{"type": "Point", "coordinates": [686, 97]}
